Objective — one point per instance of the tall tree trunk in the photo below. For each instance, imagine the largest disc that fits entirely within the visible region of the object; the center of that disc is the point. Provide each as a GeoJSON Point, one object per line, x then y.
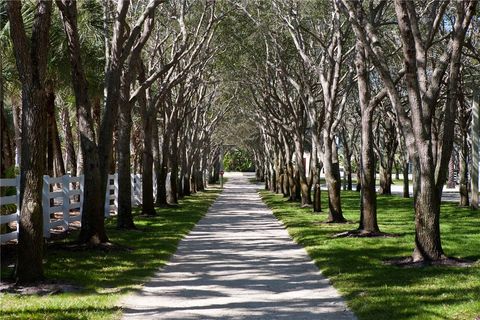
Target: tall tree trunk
{"type": "Point", "coordinates": [59, 163]}
{"type": "Point", "coordinates": [162, 172]}
{"type": "Point", "coordinates": [148, 118]}
{"type": "Point", "coordinates": [54, 149]}
{"type": "Point", "coordinates": [368, 203]}
{"type": "Point", "coordinates": [451, 172]}
{"type": "Point", "coordinates": [174, 167]}
{"type": "Point", "coordinates": [71, 156]}
{"type": "Point", "coordinates": [17, 126]}
{"type": "Point", "coordinates": [124, 218]}
{"type": "Point", "coordinates": [463, 174]}
{"type": "Point", "coordinates": [8, 153]}
{"type": "Point", "coordinates": [50, 101]}
{"type": "Point", "coordinates": [475, 168]}
{"type": "Point", "coordinates": [93, 225]}
{"type": "Point", "coordinates": [348, 171]}
{"type": "Point", "coordinates": [406, 188]}
{"type": "Point", "coordinates": [317, 193]}
{"type": "Point", "coordinates": [31, 61]}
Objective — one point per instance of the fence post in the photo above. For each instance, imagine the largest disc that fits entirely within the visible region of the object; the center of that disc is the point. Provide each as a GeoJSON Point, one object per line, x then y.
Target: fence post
{"type": "Point", "coordinates": [17, 183]}
{"type": "Point", "coordinates": [107, 199]}
{"type": "Point", "coordinates": [46, 206]}
{"type": "Point", "coordinates": [139, 189]}
{"type": "Point", "coordinates": [132, 188]}
{"type": "Point", "coordinates": [17, 178]}
{"type": "Point", "coordinates": [66, 200]}
{"type": "Point", "coordinates": [82, 181]}
{"type": "Point", "coordinates": [115, 192]}
{"type": "Point", "coordinates": [154, 184]}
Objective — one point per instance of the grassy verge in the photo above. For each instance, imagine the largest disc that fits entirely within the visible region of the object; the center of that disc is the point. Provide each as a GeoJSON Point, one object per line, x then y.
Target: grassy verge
{"type": "Point", "coordinates": [107, 276]}
{"type": "Point", "coordinates": [374, 290]}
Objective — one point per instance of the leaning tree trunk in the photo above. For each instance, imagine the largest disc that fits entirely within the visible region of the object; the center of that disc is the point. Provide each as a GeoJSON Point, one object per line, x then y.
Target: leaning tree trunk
{"type": "Point", "coordinates": [31, 61]}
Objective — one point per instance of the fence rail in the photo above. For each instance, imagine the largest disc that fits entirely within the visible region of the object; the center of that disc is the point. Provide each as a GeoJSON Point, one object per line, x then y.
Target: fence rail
{"type": "Point", "coordinates": [62, 202]}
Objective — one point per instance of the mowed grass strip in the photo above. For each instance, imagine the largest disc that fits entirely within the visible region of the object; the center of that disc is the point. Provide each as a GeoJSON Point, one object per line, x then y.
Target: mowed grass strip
{"type": "Point", "coordinates": [106, 276]}
{"type": "Point", "coordinates": [374, 290]}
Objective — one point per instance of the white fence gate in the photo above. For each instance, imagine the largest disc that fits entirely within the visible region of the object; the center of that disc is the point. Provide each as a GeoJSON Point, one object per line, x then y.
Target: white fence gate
{"type": "Point", "coordinates": [62, 201]}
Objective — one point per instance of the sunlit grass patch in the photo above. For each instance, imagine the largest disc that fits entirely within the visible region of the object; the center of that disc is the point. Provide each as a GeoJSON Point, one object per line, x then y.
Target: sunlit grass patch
{"type": "Point", "coordinates": [375, 290]}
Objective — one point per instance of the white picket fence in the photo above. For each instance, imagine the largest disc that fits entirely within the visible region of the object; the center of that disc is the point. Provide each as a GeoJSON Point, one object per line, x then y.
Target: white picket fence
{"type": "Point", "coordinates": [63, 205]}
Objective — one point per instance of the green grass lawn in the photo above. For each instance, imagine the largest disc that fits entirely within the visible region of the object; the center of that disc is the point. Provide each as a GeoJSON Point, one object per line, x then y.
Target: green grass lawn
{"type": "Point", "coordinates": [374, 290]}
{"type": "Point", "coordinates": [107, 276]}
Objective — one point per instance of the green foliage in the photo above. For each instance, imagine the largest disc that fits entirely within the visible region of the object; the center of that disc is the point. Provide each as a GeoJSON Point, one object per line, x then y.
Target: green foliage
{"type": "Point", "coordinates": [238, 160]}
{"type": "Point", "coordinates": [107, 276]}
{"type": "Point", "coordinates": [374, 290]}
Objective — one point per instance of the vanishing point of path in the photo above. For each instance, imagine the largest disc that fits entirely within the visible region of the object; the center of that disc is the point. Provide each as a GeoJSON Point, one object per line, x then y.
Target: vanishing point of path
{"type": "Point", "coordinates": [238, 263]}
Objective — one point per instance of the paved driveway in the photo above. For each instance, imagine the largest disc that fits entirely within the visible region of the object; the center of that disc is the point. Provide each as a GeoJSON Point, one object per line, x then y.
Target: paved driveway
{"type": "Point", "coordinates": [238, 263]}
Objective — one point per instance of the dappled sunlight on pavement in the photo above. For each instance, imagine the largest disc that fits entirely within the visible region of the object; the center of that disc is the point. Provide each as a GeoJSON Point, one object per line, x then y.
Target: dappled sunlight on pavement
{"type": "Point", "coordinates": [238, 263]}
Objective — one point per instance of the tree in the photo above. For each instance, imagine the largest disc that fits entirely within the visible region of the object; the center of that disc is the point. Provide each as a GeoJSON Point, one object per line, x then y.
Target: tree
{"type": "Point", "coordinates": [31, 61]}
{"type": "Point", "coordinates": [327, 60]}
{"type": "Point", "coordinates": [91, 219]}
{"type": "Point", "coordinates": [428, 69]}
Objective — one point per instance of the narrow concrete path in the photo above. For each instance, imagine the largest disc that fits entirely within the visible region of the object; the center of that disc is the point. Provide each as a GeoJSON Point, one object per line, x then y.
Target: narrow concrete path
{"type": "Point", "coordinates": [238, 263]}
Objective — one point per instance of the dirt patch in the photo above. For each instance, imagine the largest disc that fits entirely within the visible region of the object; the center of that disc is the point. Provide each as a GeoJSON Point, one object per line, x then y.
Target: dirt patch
{"type": "Point", "coordinates": [408, 262]}
{"type": "Point", "coordinates": [364, 234]}
{"type": "Point", "coordinates": [41, 288]}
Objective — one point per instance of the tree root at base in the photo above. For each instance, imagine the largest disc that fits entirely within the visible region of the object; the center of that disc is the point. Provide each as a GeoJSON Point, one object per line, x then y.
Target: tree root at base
{"type": "Point", "coordinates": [364, 234]}
{"type": "Point", "coordinates": [444, 261]}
